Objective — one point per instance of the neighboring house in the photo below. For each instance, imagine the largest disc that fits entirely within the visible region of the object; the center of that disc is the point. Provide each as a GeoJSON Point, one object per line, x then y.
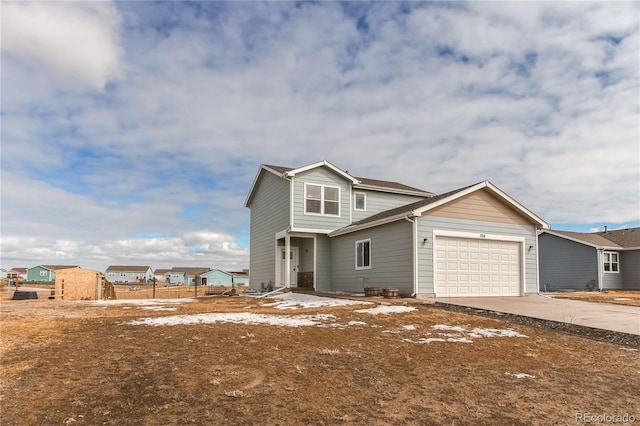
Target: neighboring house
{"type": "Point", "coordinates": [320, 227]}
{"type": "Point", "coordinates": [3, 273]}
{"type": "Point", "coordinates": [45, 273]}
{"type": "Point", "coordinates": [590, 261]}
{"type": "Point", "coordinates": [125, 274]}
{"type": "Point", "coordinates": [78, 284]}
{"type": "Point", "coordinates": [241, 278]}
{"type": "Point", "coordinates": [182, 275]}
{"type": "Point", "coordinates": [17, 273]}
{"type": "Point", "coordinates": [162, 275]}
{"type": "Point", "coordinates": [177, 278]}
{"type": "Point", "coordinates": [216, 277]}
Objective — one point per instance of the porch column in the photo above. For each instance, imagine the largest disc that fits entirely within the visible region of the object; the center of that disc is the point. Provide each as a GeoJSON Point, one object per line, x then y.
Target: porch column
{"type": "Point", "coordinates": [287, 260]}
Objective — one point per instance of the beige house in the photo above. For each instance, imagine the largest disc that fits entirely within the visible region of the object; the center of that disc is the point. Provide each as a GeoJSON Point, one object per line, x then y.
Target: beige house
{"type": "Point", "coordinates": [78, 284]}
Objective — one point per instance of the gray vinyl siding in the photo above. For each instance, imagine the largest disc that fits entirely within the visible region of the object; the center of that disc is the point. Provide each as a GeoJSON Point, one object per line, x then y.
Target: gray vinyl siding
{"type": "Point", "coordinates": [427, 224]}
{"type": "Point", "coordinates": [566, 264]}
{"type": "Point", "coordinates": [306, 253]}
{"type": "Point", "coordinates": [269, 215]}
{"type": "Point", "coordinates": [391, 259]}
{"type": "Point", "coordinates": [613, 280]}
{"type": "Point", "coordinates": [377, 202]}
{"type": "Point", "coordinates": [320, 176]}
{"type": "Point", "coordinates": [323, 263]}
{"type": "Point", "coordinates": [630, 269]}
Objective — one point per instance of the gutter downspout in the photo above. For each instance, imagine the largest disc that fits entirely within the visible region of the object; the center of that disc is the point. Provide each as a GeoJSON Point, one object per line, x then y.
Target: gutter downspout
{"type": "Point", "coordinates": [599, 256]}
{"type": "Point", "coordinates": [414, 247]}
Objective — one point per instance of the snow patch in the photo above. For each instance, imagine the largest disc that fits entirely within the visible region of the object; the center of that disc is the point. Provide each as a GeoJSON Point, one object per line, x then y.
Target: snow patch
{"type": "Point", "coordinates": [298, 300]}
{"type": "Point", "coordinates": [138, 302]}
{"type": "Point", "coordinates": [409, 327]}
{"type": "Point", "coordinates": [236, 318]}
{"type": "Point", "coordinates": [386, 309]}
{"type": "Point", "coordinates": [493, 332]}
{"type": "Point", "coordinates": [520, 375]}
{"type": "Point", "coordinates": [448, 328]}
{"type": "Point", "coordinates": [158, 308]}
{"type": "Point", "coordinates": [462, 335]}
{"type": "Point", "coordinates": [358, 323]}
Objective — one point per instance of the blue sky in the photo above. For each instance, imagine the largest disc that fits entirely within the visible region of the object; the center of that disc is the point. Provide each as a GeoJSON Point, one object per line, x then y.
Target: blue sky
{"type": "Point", "coordinates": [132, 131]}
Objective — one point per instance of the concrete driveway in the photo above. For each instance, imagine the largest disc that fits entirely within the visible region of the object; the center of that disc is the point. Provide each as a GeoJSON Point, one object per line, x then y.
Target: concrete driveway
{"type": "Point", "coordinates": [624, 319]}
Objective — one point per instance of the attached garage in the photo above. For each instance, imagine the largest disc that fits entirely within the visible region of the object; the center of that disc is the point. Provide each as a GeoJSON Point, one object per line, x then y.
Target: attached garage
{"type": "Point", "coordinates": [471, 267]}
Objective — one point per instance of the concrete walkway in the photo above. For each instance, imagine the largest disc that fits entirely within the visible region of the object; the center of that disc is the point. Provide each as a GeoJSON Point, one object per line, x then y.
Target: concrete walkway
{"type": "Point", "coordinates": [606, 316]}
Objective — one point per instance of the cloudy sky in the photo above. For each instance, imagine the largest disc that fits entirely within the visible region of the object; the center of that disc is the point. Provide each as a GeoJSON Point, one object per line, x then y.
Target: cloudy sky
{"type": "Point", "coordinates": [132, 131]}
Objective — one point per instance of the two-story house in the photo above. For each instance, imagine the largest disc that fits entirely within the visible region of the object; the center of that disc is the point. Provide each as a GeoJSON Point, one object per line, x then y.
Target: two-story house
{"type": "Point", "coordinates": [45, 273]}
{"type": "Point", "coordinates": [320, 227]}
{"type": "Point", "coordinates": [128, 274]}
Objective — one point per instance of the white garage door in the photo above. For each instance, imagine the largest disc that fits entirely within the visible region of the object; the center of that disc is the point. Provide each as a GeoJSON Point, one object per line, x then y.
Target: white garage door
{"type": "Point", "coordinates": [471, 267]}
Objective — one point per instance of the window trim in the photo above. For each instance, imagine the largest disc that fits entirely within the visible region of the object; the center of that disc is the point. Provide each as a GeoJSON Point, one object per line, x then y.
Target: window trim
{"type": "Point", "coordinates": [355, 201]}
{"type": "Point", "coordinates": [611, 262]}
{"type": "Point", "coordinates": [322, 200]}
{"type": "Point", "coordinates": [359, 268]}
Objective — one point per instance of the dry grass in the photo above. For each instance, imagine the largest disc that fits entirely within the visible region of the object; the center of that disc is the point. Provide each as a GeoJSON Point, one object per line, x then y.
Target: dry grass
{"type": "Point", "coordinates": [77, 363]}
{"type": "Point", "coordinates": [619, 297]}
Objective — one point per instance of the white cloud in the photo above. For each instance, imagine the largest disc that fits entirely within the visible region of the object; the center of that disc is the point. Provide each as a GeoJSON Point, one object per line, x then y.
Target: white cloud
{"type": "Point", "coordinates": [538, 97]}
{"type": "Point", "coordinates": [77, 42]}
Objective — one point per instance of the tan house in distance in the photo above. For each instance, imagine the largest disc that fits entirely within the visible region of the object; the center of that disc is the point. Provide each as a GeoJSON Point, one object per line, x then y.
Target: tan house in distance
{"type": "Point", "coordinates": [78, 284]}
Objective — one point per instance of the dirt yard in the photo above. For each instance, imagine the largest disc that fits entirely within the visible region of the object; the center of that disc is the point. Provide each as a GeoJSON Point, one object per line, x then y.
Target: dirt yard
{"type": "Point", "coordinates": [619, 297]}
{"type": "Point", "coordinates": [242, 360]}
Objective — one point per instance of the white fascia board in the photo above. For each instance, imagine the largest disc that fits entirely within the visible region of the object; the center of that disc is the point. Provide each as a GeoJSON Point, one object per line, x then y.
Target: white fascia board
{"type": "Point", "coordinates": [375, 223]}
{"type": "Point", "coordinates": [255, 181]}
{"type": "Point", "coordinates": [576, 240]}
{"type": "Point", "coordinates": [492, 188]}
{"type": "Point", "coordinates": [309, 231]}
{"type": "Point", "coordinates": [325, 164]}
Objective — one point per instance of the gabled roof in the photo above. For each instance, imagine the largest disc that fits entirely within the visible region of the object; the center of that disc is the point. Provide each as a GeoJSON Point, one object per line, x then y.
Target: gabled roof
{"type": "Point", "coordinates": [619, 239]}
{"type": "Point", "coordinates": [191, 270]}
{"type": "Point", "coordinates": [218, 270]}
{"type": "Point", "coordinates": [56, 267]}
{"type": "Point", "coordinates": [420, 207]}
{"type": "Point", "coordinates": [128, 268]}
{"type": "Point", "coordinates": [358, 182]}
{"type": "Point", "coordinates": [627, 238]}
{"type": "Point", "coordinates": [161, 271]}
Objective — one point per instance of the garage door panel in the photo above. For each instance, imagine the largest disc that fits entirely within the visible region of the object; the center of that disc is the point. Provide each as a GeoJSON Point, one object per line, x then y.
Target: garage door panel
{"type": "Point", "coordinates": [475, 267]}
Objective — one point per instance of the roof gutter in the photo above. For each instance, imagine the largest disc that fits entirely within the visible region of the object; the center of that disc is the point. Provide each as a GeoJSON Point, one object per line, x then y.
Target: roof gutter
{"type": "Point", "coordinates": [354, 228]}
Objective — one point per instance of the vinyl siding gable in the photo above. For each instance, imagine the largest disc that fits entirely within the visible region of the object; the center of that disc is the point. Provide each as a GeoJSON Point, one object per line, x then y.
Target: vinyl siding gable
{"type": "Point", "coordinates": [270, 207]}
{"type": "Point", "coordinates": [326, 177]}
{"type": "Point", "coordinates": [481, 206]}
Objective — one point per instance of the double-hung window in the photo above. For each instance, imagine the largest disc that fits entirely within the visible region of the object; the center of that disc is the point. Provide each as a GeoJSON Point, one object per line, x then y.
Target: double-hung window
{"type": "Point", "coordinates": [611, 262]}
{"type": "Point", "coordinates": [363, 254]}
{"type": "Point", "coordinates": [321, 199]}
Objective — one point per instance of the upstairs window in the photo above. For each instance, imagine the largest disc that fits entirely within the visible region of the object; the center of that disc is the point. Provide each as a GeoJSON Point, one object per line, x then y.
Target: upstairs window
{"type": "Point", "coordinates": [611, 263]}
{"type": "Point", "coordinates": [320, 199]}
{"type": "Point", "coordinates": [360, 201]}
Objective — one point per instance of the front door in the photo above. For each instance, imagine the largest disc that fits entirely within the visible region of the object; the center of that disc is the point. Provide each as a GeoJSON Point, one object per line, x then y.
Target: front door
{"type": "Point", "coordinates": [293, 256]}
